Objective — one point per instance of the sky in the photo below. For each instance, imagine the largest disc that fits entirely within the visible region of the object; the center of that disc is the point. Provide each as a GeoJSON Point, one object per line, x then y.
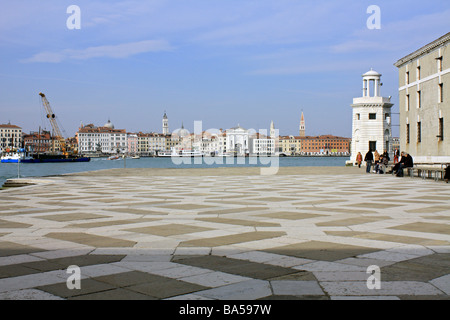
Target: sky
{"type": "Point", "coordinates": [222, 62]}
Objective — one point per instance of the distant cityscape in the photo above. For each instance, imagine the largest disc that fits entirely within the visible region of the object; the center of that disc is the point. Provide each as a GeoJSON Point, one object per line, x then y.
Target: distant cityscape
{"type": "Point", "coordinates": [105, 140]}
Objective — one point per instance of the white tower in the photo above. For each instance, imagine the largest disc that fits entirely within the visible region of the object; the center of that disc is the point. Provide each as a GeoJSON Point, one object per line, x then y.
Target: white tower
{"type": "Point", "coordinates": [165, 124]}
{"type": "Point", "coordinates": [371, 119]}
{"type": "Point", "coordinates": [272, 130]}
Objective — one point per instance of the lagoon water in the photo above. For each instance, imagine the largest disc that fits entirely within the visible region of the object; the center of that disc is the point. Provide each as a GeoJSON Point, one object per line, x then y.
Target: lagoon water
{"type": "Point", "coordinates": [13, 170]}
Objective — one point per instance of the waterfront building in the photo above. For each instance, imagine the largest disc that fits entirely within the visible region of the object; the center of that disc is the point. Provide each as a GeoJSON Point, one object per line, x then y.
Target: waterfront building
{"type": "Point", "coordinates": [208, 143]}
{"type": "Point", "coordinates": [371, 119]}
{"type": "Point", "coordinates": [143, 144]}
{"type": "Point", "coordinates": [38, 142]}
{"type": "Point", "coordinates": [237, 140]}
{"type": "Point", "coordinates": [424, 93]}
{"type": "Point", "coordinates": [132, 143]}
{"type": "Point", "coordinates": [10, 137]}
{"type": "Point", "coordinates": [157, 143]}
{"type": "Point", "coordinates": [260, 144]}
{"type": "Point", "coordinates": [105, 139]}
{"type": "Point", "coordinates": [325, 145]}
{"type": "Point", "coordinates": [290, 145]}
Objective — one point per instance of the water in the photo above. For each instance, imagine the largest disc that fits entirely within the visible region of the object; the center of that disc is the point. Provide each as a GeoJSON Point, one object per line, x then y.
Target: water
{"type": "Point", "coordinates": [10, 170]}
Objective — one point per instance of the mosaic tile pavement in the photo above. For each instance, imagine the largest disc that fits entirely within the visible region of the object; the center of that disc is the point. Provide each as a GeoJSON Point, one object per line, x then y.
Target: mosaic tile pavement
{"type": "Point", "coordinates": [240, 236]}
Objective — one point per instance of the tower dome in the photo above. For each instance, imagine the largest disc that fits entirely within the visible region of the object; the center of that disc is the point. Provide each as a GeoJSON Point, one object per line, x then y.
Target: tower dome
{"type": "Point", "coordinates": [181, 133]}
{"type": "Point", "coordinates": [372, 73]}
{"type": "Point", "coordinates": [109, 125]}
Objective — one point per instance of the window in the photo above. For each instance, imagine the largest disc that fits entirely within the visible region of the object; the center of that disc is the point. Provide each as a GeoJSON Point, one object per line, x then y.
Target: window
{"type": "Point", "coordinates": [407, 133]}
{"type": "Point", "coordinates": [358, 116]}
{"type": "Point", "coordinates": [418, 73]}
{"type": "Point", "coordinates": [419, 131]}
{"type": "Point", "coordinates": [441, 92]}
{"type": "Point", "coordinates": [439, 64]}
{"type": "Point", "coordinates": [372, 116]}
{"type": "Point", "coordinates": [441, 129]}
{"type": "Point", "coordinates": [419, 99]}
{"type": "Point", "coordinates": [407, 77]}
{"type": "Point", "coordinates": [372, 145]}
{"type": "Point", "coordinates": [407, 102]}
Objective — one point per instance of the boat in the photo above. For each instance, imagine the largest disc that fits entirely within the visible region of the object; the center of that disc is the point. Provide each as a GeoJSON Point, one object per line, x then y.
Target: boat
{"type": "Point", "coordinates": [182, 153]}
{"type": "Point", "coordinates": [66, 154]}
{"type": "Point", "coordinates": [113, 158]}
{"type": "Point", "coordinates": [46, 158]}
{"type": "Point", "coordinates": [164, 154]}
{"type": "Point", "coordinates": [135, 157]}
{"type": "Point", "coordinates": [13, 156]}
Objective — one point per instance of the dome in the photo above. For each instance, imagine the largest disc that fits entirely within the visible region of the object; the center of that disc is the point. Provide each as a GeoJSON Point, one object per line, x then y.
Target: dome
{"type": "Point", "coordinates": [371, 73]}
{"type": "Point", "coordinates": [109, 125]}
{"type": "Point", "coordinates": [181, 132]}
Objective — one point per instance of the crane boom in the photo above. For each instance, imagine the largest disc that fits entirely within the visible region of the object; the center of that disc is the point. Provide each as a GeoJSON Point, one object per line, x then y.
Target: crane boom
{"type": "Point", "coordinates": [52, 118]}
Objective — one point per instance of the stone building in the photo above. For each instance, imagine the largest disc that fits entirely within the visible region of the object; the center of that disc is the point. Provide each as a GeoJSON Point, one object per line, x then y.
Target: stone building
{"type": "Point", "coordinates": [10, 137]}
{"type": "Point", "coordinates": [424, 93]}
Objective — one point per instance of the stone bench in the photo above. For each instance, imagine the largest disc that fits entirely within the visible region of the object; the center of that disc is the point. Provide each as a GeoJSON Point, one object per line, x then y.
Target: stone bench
{"type": "Point", "coordinates": [430, 171]}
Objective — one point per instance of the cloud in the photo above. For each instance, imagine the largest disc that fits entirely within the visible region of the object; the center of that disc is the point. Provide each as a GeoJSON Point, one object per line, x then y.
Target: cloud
{"type": "Point", "coordinates": [119, 51]}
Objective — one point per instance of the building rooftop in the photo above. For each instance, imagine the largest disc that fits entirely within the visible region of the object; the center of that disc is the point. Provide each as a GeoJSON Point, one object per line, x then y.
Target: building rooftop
{"type": "Point", "coordinates": [424, 50]}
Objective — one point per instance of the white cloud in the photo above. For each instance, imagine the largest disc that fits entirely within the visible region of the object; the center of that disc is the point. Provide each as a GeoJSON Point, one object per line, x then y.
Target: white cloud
{"type": "Point", "coordinates": [123, 50]}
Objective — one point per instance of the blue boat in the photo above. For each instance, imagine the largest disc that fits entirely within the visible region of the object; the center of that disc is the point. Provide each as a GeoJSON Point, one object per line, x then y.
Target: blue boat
{"type": "Point", "coordinates": [13, 156]}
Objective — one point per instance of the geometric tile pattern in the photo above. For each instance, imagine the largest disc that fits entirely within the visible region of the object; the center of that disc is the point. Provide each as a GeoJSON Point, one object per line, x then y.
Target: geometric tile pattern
{"type": "Point", "coordinates": [305, 233]}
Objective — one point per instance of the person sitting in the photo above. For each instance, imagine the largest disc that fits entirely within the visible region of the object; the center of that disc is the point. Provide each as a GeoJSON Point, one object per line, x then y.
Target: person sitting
{"type": "Point", "coordinates": [447, 173]}
{"type": "Point", "coordinates": [405, 162]}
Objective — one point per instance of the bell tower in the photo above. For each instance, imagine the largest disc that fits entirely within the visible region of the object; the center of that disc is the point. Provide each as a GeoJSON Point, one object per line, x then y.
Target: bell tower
{"type": "Point", "coordinates": [302, 128]}
{"type": "Point", "coordinates": [165, 124]}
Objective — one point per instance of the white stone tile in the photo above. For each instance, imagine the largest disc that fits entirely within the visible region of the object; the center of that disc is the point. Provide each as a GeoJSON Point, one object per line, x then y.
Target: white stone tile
{"type": "Point", "coordinates": [147, 258]}
{"type": "Point", "coordinates": [440, 249]}
{"type": "Point", "coordinates": [188, 297]}
{"type": "Point", "coordinates": [192, 251]}
{"type": "Point", "coordinates": [31, 281]}
{"type": "Point", "coordinates": [146, 266]}
{"type": "Point", "coordinates": [21, 258]}
{"type": "Point", "coordinates": [388, 288]}
{"type": "Point", "coordinates": [364, 298]}
{"type": "Point", "coordinates": [388, 256]}
{"type": "Point", "coordinates": [181, 271]}
{"type": "Point", "coordinates": [246, 290]}
{"type": "Point", "coordinates": [365, 262]}
{"type": "Point", "coordinates": [214, 279]}
{"type": "Point", "coordinates": [296, 288]}
{"type": "Point", "coordinates": [416, 250]}
{"type": "Point", "coordinates": [288, 262]}
{"type": "Point", "coordinates": [326, 266]}
{"type": "Point", "coordinates": [28, 294]}
{"type": "Point", "coordinates": [101, 270]}
{"type": "Point", "coordinates": [442, 283]}
{"type": "Point", "coordinates": [254, 256]}
{"type": "Point", "coordinates": [64, 253]}
{"type": "Point", "coordinates": [342, 276]}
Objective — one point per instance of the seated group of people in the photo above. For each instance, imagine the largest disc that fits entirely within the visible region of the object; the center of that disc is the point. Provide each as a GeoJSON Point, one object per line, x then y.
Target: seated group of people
{"type": "Point", "coordinates": [406, 161]}
{"type": "Point", "coordinates": [381, 161]}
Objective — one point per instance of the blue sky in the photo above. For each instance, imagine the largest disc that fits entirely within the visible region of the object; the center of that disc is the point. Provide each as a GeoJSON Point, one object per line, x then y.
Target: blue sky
{"type": "Point", "coordinates": [225, 62]}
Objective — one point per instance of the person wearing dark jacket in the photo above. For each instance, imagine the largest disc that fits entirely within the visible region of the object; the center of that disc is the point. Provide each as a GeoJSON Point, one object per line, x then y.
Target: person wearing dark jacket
{"type": "Point", "coordinates": [368, 159]}
{"type": "Point", "coordinates": [405, 162]}
{"type": "Point", "coordinates": [447, 173]}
